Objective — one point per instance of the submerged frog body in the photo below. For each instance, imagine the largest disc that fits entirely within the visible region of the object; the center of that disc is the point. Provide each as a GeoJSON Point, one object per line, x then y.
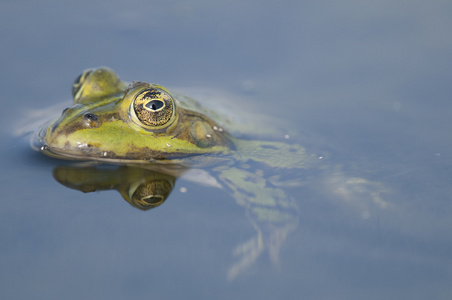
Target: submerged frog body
{"type": "Point", "coordinates": [143, 125]}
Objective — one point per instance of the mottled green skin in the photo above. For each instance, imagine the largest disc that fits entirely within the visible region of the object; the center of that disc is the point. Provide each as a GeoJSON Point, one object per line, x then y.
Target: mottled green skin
{"type": "Point", "coordinates": [100, 126]}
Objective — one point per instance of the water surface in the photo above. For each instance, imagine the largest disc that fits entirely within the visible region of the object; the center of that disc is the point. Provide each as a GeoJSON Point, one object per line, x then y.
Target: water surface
{"type": "Point", "coordinates": [366, 82]}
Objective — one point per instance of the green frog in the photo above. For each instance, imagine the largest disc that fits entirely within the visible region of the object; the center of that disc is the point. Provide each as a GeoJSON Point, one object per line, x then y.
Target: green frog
{"type": "Point", "coordinates": [144, 128]}
{"type": "Point", "coordinates": [139, 123]}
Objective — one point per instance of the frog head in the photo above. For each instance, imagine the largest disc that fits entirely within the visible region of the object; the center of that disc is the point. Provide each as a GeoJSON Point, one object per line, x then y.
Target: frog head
{"type": "Point", "coordinates": [112, 121]}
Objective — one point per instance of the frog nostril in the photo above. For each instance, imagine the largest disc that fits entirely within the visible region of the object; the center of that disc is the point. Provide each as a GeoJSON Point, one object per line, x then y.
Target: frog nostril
{"type": "Point", "coordinates": [91, 117]}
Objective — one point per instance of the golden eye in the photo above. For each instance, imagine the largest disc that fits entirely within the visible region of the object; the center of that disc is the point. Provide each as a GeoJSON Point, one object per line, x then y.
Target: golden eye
{"type": "Point", "coordinates": [153, 107]}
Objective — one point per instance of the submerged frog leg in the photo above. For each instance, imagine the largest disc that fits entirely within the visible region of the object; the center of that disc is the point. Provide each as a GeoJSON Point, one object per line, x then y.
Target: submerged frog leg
{"type": "Point", "coordinates": [249, 251]}
{"type": "Point", "coordinates": [359, 193]}
{"type": "Point", "coordinates": [271, 212]}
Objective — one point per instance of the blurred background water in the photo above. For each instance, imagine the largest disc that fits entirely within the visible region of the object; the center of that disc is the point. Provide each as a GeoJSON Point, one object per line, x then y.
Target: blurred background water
{"type": "Point", "coordinates": [369, 81]}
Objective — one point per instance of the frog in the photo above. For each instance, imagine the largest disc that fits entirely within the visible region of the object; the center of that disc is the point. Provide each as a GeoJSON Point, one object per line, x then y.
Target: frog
{"type": "Point", "coordinates": [148, 130]}
{"type": "Point", "coordinates": [151, 126]}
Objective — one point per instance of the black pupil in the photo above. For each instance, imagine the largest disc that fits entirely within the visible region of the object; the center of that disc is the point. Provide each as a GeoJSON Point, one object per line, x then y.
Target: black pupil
{"type": "Point", "coordinates": [154, 104]}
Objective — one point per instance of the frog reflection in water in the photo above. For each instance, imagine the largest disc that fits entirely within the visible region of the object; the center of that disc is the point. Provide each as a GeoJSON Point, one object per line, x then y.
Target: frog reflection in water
{"type": "Point", "coordinates": [145, 129]}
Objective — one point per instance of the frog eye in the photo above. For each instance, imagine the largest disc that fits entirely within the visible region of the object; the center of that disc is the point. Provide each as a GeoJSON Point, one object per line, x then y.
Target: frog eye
{"type": "Point", "coordinates": [153, 107]}
{"type": "Point", "coordinates": [152, 193]}
{"type": "Point", "coordinates": [79, 81]}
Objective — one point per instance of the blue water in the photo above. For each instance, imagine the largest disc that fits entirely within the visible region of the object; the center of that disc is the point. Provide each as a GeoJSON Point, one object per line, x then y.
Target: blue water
{"type": "Point", "coordinates": [367, 82]}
